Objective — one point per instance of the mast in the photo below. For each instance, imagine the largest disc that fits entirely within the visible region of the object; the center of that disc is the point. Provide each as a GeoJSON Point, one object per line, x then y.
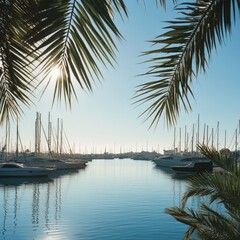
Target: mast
{"type": "Point", "coordinates": [185, 139]}
{"type": "Point", "coordinates": [225, 137]}
{"type": "Point", "coordinates": [17, 142]}
{"type": "Point", "coordinates": [197, 140]}
{"type": "Point", "coordinates": [57, 136]}
{"type": "Point", "coordinates": [36, 126]}
{"type": "Point", "coordinates": [49, 132]}
{"type": "Point", "coordinates": [180, 140]}
{"type": "Point", "coordinates": [174, 140]}
{"type": "Point", "coordinates": [236, 141]}
{"type": "Point", "coordinates": [39, 132]}
{"type": "Point", "coordinates": [61, 136]}
{"type": "Point", "coordinates": [7, 139]}
{"type": "Point", "coordinates": [207, 136]}
{"type": "Point", "coordinates": [192, 138]}
{"type": "Point", "coordinates": [204, 133]}
{"type": "Point", "coordinates": [212, 137]}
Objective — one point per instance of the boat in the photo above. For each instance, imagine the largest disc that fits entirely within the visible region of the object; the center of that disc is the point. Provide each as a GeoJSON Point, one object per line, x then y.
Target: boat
{"type": "Point", "coordinates": [12, 169]}
{"type": "Point", "coordinates": [69, 164]}
{"type": "Point", "coordinates": [176, 160]}
{"type": "Point", "coordinates": [47, 162]}
{"type": "Point", "coordinates": [145, 155]}
{"type": "Point", "coordinates": [194, 168]}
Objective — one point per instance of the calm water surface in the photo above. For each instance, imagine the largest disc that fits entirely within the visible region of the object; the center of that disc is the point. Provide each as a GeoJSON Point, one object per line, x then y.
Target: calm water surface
{"type": "Point", "coordinates": [109, 200]}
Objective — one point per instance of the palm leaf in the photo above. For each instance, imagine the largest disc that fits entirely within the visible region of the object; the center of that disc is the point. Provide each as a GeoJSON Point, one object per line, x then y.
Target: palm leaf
{"type": "Point", "coordinates": [223, 188]}
{"type": "Point", "coordinates": [207, 223]}
{"type": "Point", "coordinates": [223, 158]}
{"type": "Point", "coordinates": [16, 82]}
{"type": "Point", "coordinates": [77, 37]}
{"type": "Point", "coordinates": [181, 52]}
{"type": "Point", "coordinates": [220, 189]}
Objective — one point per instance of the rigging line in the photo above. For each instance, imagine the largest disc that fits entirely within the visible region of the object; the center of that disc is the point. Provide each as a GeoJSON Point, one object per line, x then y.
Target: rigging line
{"type": "Point", "coordinates": [231, 142]}
{"type": "Point", "coordinates": [24, 153]}
{"type": "Point", "coordinates": [67, 142]}
{"type": "Point", "coordinates": [49, 150]}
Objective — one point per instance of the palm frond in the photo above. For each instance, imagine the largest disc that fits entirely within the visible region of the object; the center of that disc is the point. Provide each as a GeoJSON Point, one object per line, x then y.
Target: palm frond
{"type": "Point", "coordinates": [161, 3]}
{"type": "Point", "coordinates": [222, 188]}
{"type": "Point", "coordinates": [207, 223]}
{"type": "Point", "coordinates": [15, 69]}
{"type": "Point", "coordinates": [77, 37]}
{"type": "Point", "coordinates": [182, 51]}
{"type": "Point", "coordinates": [223, 158]}
{"type": "Point", "coordinates": [218, 190]}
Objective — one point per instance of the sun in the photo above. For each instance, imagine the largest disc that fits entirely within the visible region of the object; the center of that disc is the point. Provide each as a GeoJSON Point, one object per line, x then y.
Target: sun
{"type": "Point", "coordinates": [55, 72]}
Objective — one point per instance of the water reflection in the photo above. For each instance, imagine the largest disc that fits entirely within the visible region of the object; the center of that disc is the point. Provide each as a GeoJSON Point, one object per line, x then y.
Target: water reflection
{"type": "Point", "coordinates": [60, 173]}
{"type": "Point", "coordinates": [178, 183]}
{"type": "Point", "coordinates": [111, 199]}
{"type": "Point", "coordinates": [179, 186]}
{"type": "Point", "coordinates": [34, 201]}
{"type": "Point", "coordinates": [4, 212]}
{"type": "Point", "coordinates": [17, 181]}
{"type": "Point", "coordinates": [164, 170]}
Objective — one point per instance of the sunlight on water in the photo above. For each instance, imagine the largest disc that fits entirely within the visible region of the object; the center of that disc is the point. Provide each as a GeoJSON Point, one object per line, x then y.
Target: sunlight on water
{"type": "Point", "coordinates": [110, 199]}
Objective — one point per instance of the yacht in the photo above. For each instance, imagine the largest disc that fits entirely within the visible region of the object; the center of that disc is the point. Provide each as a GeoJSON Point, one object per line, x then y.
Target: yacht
{"type": "Point", "coordinates": [47, 162]}
{"type": "Point", "coordinates": [12, 169]}
{"type": "Point", "coordinates": [177, 160]}
{"type": "Point", "coordinates": [194, 168]}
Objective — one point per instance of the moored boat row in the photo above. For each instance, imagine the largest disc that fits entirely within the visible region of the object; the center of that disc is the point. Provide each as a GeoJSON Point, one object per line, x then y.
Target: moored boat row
{"type": "Point", "coordinates": [185, 163]}
{"type": "Point", "coordinates": [34, 166]}
{"type": "Point", "coordinates": [58, 164]}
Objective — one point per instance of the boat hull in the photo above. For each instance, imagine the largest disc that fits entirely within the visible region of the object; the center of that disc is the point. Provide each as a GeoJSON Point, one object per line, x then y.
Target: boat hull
{"type": "Point", "coordinates": [195, 168]}
{"type": "Point", "coordinates": [57, 164]}
{"type": "Point", "coordinates": [176, 160]}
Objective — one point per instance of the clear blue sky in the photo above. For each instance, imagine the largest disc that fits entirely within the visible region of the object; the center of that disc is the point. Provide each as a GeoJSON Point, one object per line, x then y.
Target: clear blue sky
{"type": "Point", "coordinates": [107, 118]}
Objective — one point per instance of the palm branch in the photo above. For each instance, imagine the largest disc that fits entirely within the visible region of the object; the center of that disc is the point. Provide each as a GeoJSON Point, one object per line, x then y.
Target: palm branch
{"type": "Point", "coordinates": [223, 158]}
{"type": "Point", "coordinates": [76, 36]}
{"type": "Point", "coordinates": [15, 69]}
{"type": "Point", "coordinates": [207, 223]}
{"type": "Point", "coordinates": [181, 52]}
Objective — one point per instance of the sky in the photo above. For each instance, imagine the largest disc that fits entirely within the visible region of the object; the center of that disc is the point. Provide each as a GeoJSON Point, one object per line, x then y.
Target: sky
{"type": "Point", "coordinates": [108, 120]}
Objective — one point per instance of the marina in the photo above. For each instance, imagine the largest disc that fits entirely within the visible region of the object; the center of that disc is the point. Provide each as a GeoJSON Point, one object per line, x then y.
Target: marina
{"type": "Point", "coordinates": [119, 120]}
{"type": "Point", "coordinates": [109, 199]}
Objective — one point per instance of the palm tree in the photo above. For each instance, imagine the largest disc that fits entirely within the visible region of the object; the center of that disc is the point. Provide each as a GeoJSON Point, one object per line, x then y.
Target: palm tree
{"type": "Point", "coordinates": [221, 190]}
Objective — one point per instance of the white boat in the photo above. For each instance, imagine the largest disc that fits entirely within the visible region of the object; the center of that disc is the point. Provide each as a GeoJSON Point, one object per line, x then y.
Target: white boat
{"type": "Point", "coordinates": [57, 164]}
{"type": "Point", "coordinates": [68, 164]}
{"type": "Point", "coordinates": [12, 169]}
{"type": "Point", "coordinates": [176, 160]}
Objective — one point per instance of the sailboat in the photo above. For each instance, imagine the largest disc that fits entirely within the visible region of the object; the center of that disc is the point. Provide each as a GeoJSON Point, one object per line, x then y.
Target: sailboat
{"type": "Point", "coordinates": [14, 169]}
{"type": "Point", "coordinates": [57, 161]}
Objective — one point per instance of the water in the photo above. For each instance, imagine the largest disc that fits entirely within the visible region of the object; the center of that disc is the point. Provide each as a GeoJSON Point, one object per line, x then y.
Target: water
{"type": "Point", "coordinates": [109, 199]}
